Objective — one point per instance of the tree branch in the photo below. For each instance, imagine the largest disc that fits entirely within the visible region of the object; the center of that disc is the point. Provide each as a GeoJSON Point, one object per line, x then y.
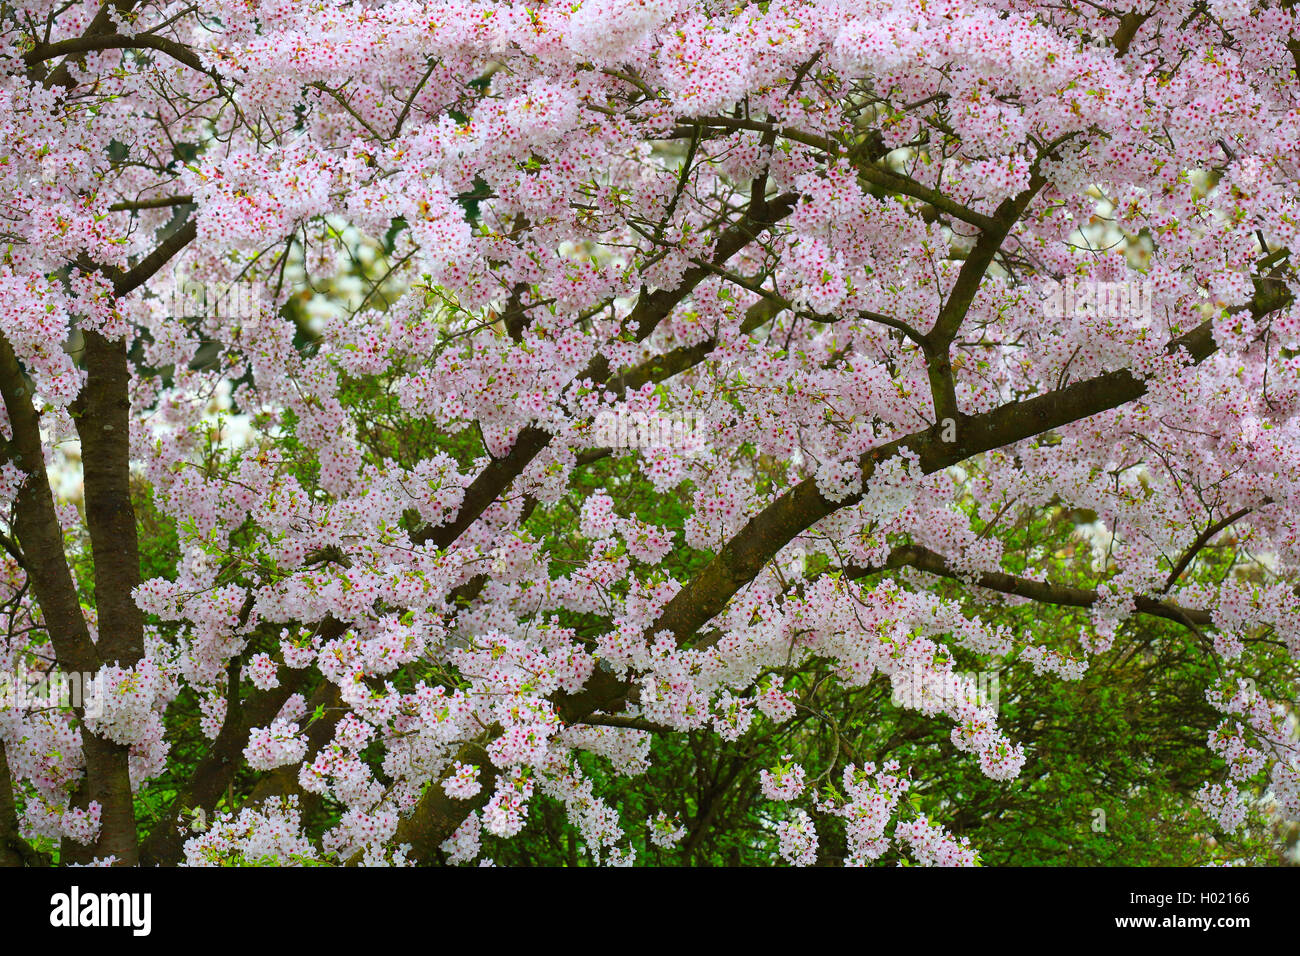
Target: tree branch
{"type": "Point", "coordinates": [90, 43]}
{"type": "Point", "coordinates": [1201, 541]}
{"type": "Point", "coordinates": [931, 562]}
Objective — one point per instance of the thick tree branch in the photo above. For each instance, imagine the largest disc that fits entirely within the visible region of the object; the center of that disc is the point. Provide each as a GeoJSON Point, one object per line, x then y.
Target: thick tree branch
{"type": "Point", "coordinates": [91, 43]}
{"type": "Point", "coordinates": [161, 202]}
{"type": "Point", "coordinates": [101, 25]}
{"type": "Point", "coordinates": [103, 417]}
{"type": "Point", "coordinates": [938, 341]}
{"type": "Point", "coordinates": [14, 850]}
{"type": "Point", "coordinates": [1129, 24]}
{"type": "Point", "coordinates": [931, 562]}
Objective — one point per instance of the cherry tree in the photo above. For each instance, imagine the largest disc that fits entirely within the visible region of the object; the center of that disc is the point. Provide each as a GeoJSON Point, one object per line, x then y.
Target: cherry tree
{"type": "Point", "coordinates": [345, 298]}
